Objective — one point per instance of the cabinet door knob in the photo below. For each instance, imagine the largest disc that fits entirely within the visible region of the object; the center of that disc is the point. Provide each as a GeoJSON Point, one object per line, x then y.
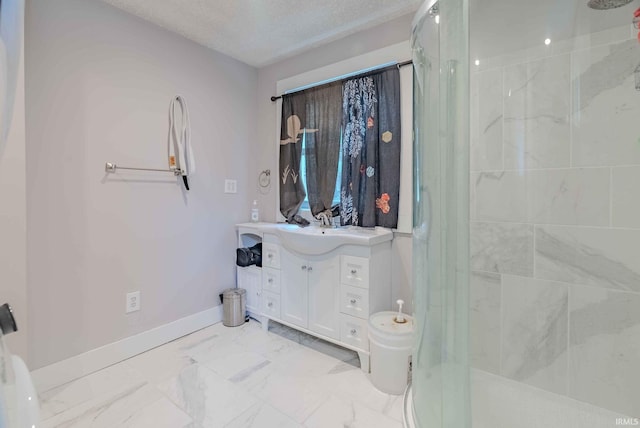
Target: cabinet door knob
{"type": "Point", "coordinates": [270, 255]}
{"type": "Point", "coordinates": [353, 331]}
{"type": "Point", "coordinates": [353, 271]}
{"type": "Point", "coordinates": [304, 267]}
{"type": "Point", "coordinates": [270, 304]}
{"type": "Point", "coordinates": [309, 268]}
{"type": "Point", "coordinates": [353, 301]}
{"type": "Point", "coordinates": [270, 280]}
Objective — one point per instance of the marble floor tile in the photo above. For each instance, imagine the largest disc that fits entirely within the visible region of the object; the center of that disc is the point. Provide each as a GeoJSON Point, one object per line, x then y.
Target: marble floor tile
{"type": "Point", "coordinates": [395, 409]}
{"type": "Point", "coordinates": [271, 345]}
{"type": "Point", "coordinates": [294, 395]}
{"type": "Point", "coordinates": [236, 363]}
{"type": "Point", "coordinates": [216, 377]}
{"type": "Point", "coordinates": [355, 385]}
{"type": "Point", "coordinates": [214, 345]}
{"type": "Point", "coordinates": [209, 399]}
{"type": "Point", "coordinates": [159, 414]}
{"type": "Point", "coordinates": [104, 383]}
{"type": "Point", "coordinates": [319, 387]}
{"type": "Point", "coordinates": [339, 413]}
{"type": "Point", "coordinates": [308, 362]}
{"type": "Point", "coordinates": [293, 386]}
{"type": "Point", "coordinates": [140, 406]}
{"type": "Point", "coordinates": [263, 416]}
{"type": "Point", "coordinates": [160, 363]}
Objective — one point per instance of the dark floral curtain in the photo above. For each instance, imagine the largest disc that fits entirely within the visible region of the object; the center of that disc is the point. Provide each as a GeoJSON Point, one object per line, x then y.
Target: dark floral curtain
{"type": "Point", "coordinates": [322, 142]}
{"type": "Point", "coordinates": [315, 116]}
{"type": "Point", "coordinates": [370, 187]}
{"type": "Point", "coordinates": [292, 128]}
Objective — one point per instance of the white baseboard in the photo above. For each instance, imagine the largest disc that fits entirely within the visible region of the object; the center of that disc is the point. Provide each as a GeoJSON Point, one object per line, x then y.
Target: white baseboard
{"type": "Point", "coordinates": [72, 368]}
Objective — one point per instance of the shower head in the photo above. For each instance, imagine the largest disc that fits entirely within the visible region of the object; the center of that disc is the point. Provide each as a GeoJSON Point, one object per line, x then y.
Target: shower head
{"type": "Point", "coordinates": [607, 4]}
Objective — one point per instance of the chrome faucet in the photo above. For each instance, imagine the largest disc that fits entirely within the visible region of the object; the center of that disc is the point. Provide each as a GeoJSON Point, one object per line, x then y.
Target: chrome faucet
{"type": "Point", "coordinates": [325, 220]}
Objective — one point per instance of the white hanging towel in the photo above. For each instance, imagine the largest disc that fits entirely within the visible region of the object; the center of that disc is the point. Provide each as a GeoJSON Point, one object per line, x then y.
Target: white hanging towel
{"type": "Point", "coordinates": [180, 153]}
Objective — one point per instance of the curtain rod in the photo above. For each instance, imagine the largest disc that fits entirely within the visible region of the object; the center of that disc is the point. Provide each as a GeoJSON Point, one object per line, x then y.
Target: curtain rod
{"type": "Point", "coordinates": [375, 70]}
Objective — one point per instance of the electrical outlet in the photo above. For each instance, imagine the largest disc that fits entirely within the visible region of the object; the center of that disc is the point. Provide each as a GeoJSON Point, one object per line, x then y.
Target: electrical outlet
{"type": "Point", "coordinates": [230, 186]}
{"type": "Point", "coordinates": [133, 302]}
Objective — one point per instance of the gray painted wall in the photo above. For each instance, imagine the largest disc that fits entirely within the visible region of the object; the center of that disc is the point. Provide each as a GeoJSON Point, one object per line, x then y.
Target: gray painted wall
{"type": "Point", "coordinates": [99, 82]}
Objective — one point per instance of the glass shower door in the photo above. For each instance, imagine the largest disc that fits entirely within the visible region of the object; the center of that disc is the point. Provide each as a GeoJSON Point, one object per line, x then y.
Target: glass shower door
{"type": "Point", "coordinates": [439, 395]}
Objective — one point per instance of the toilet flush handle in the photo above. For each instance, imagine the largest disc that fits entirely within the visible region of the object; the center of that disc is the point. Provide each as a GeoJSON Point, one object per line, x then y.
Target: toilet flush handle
{"type": "Point", "coordinates": [400, 317]}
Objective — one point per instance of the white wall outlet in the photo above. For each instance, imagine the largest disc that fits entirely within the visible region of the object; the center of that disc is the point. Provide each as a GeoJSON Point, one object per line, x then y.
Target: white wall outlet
{"type": "Point", "coordinates": [133, 302]}
{"type": "Point", "coordinates": [230, 186]}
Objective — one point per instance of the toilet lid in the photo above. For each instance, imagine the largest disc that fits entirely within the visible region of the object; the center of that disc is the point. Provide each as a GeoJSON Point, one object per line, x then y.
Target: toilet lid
{"type": "Point", "coordinates": [385, 322]}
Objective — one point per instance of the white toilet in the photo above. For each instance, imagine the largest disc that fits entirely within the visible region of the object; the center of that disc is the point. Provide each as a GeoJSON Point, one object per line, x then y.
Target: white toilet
{"type": "Point", "coordinates": [18, 398]}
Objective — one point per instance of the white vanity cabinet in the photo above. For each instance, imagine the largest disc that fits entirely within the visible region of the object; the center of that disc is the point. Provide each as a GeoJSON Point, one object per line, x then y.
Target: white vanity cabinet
{"type": "Point", "coordinates": [310, 287]}
{"type": "Point", "coordinates": [250, 277]}
{"type": "Point", "coordinates": [294, 290]}
{"type": "Point", "coordinates": [323, 282]}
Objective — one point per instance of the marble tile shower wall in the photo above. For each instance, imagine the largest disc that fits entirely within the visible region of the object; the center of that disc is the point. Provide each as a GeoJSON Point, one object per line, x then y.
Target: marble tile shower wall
{"type": "Point", "coordinates": [555, 232]}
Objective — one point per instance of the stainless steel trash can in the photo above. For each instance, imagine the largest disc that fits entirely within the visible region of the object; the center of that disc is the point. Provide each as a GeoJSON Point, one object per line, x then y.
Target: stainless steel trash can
{"type": "Point", "coordinates": [234, 306]}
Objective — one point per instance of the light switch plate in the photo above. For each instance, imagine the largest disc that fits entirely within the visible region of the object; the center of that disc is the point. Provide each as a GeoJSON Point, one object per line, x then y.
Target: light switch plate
{"type": "Point", "coordinates": [230, 186]}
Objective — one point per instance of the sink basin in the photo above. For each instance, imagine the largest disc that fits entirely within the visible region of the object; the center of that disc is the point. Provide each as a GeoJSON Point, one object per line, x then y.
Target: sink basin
{"type": "Point", "coordinates": [313, 240]}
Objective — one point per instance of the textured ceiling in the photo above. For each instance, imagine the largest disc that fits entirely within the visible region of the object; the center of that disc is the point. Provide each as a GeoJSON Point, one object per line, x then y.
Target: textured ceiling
{"type": "Point", "coordinates": [261, 32]}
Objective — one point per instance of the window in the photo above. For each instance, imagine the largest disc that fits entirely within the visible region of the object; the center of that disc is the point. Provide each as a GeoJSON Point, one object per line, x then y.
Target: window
{"type": "Point", "coordinates": [356, 64]}
{"type": "Point", "coordinates": [303, 173]}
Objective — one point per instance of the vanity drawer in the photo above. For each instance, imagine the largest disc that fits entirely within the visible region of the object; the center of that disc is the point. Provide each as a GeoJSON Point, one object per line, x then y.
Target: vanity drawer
{"type": "Point", "coordinates": [270, 304]}
{"type": "Point", "coordinates": [355, 271]}
{"type": "Point", "coordinates": [354, 301]}
{"type": "Point", "coordinates": [354, 332]}
{"type": "Point", "coordinates": [270, 255]}
{"type": "Point", "coordinates": [271, 280]}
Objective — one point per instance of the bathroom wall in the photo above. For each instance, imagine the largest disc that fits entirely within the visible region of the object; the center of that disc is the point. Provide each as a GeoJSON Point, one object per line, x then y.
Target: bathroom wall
{"type": "Point", "coordinates": [98, 86]}
{"type": "Point", "coordinates": [13, 218]}
{"type": "Point", "coordinates": [555, 232]}
{"type": "Point", "coordinates": [264, 149]}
